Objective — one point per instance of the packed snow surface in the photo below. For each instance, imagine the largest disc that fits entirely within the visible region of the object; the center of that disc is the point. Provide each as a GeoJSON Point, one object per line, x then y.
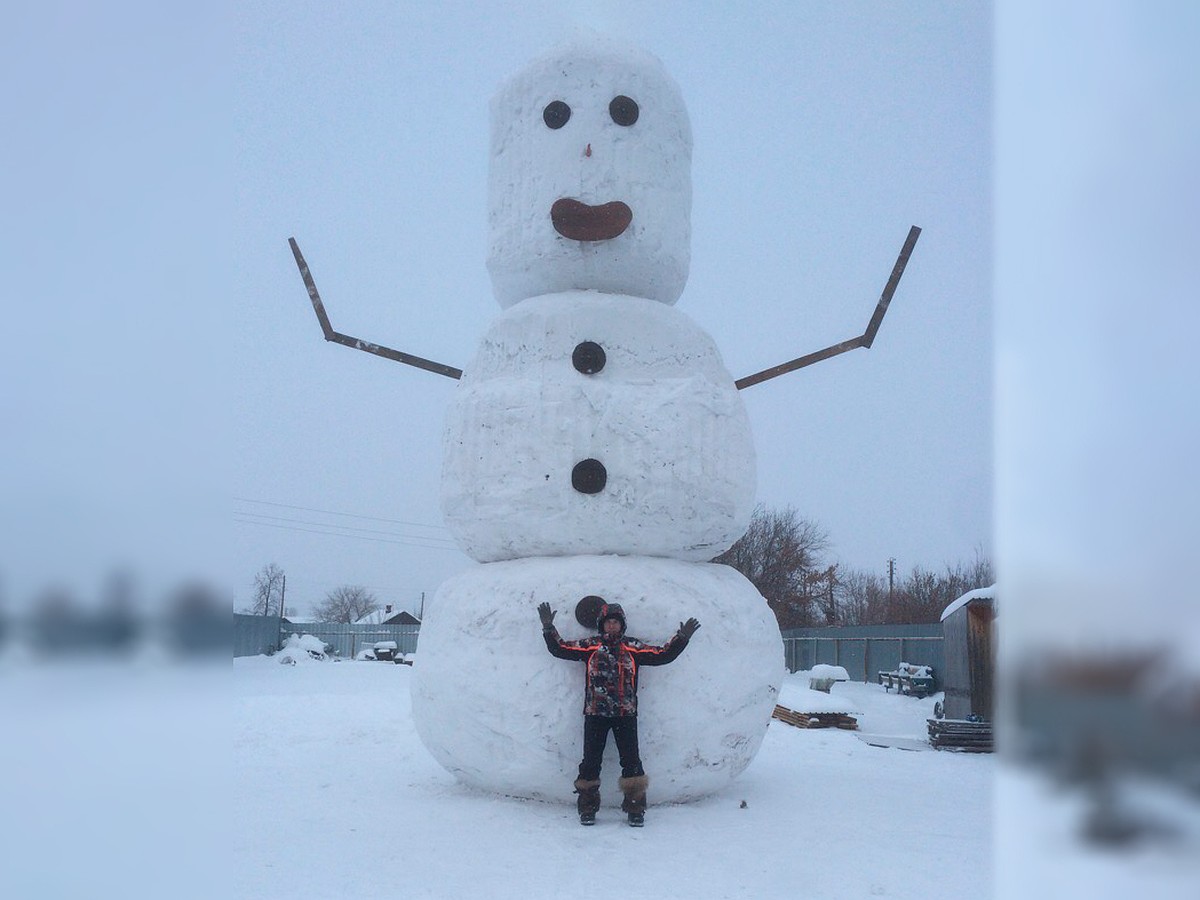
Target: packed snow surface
{"type": "Point", "coordinates": [300, 648]}
{"type": "Point", "coordinates": [662, 416]}
{"type": "Point", "coordinates": [334, 795]}
{"type": "Point", "coordinates": [591, 158]}
{"type": "Point", "coordinates": [824, 670]}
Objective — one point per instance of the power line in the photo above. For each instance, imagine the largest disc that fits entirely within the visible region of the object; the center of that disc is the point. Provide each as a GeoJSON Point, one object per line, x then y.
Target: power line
{"type": "Point", "coordinates": [440, 541]}
{"type": "Point", "coordinates": [332, 512]}
{"type": "Point", "coordinates": [356, 537]}
{"type": "Point", "coordinates": [392, 590]}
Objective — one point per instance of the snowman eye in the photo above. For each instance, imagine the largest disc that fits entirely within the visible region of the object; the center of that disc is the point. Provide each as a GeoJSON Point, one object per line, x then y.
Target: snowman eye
{"type": "Point", "coordinates": [556, 114]}
{"type": "Point", "coordinates": [624, 110]}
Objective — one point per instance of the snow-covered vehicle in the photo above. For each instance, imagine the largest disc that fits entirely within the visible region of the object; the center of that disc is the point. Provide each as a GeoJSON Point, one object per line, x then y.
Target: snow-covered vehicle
{"type": "Point", "coordinates": [386, 651]}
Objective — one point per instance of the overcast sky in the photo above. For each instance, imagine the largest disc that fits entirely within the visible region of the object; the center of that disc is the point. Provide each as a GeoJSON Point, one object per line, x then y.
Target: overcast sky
{"type": "Point", "coordinates": [821, 135]}
{"type": "Point", "coordinates": [147, 379]}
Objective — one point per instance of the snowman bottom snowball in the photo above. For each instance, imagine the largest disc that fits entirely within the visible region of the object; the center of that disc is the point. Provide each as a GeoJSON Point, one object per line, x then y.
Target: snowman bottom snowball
{"type": "Point", "coordinates": [497, 711]}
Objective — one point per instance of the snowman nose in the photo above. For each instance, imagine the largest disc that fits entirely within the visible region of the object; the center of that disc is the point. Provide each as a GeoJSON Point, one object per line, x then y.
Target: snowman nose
{"type": "Point", "coordinates": [588, 151]}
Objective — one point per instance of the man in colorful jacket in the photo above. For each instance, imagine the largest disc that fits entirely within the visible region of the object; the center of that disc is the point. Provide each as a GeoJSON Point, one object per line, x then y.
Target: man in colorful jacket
{"type": "Point", "coordinates": [610, 701]}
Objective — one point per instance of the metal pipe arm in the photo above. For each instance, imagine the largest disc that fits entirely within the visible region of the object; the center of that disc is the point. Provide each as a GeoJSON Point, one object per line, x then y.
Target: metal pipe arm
{"type": "Point", "coordinates": [863, 340]}
{"type": "Point", "coordinates": [357, 343]}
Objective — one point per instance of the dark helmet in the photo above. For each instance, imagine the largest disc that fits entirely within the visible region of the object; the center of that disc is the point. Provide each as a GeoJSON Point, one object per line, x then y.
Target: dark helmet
{"type": "Point", "coordinates": [610, 611]}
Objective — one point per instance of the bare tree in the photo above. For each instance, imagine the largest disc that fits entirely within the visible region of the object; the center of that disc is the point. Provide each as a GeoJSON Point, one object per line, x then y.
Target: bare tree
{"type": "Point", "coordinates": [780, 554]}
{"type": "Point", "coordinates": [348, 604]}
{"type": "Point", "coordinates": [268, 591]}
{"type": "Point", "coordinates": [863, 598]}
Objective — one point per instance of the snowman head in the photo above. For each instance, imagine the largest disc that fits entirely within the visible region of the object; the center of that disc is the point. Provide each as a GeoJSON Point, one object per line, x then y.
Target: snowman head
{"type": "Point", "coordinates": [590, 182]}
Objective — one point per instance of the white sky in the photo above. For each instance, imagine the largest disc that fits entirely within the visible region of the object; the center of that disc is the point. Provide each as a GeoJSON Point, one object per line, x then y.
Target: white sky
{"type": "Point", "coordinates": [821, 135]}
{"type": "Point", "coordinates": [146, 381]}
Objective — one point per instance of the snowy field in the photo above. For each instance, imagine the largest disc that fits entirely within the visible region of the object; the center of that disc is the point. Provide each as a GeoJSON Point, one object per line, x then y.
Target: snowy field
{"type": "Point", "coordinates": [335, 796]}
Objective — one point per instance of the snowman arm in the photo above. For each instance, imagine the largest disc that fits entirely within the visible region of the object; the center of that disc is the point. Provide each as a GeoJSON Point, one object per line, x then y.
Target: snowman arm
{"type": "Point", "coordinates": [863, 340]}
{"type": "Point", "coordinates": [356, 343]}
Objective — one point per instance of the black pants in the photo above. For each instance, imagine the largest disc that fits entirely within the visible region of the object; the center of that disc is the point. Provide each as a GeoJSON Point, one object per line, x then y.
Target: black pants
{"type": "Point", "coordinates": [595, 736]}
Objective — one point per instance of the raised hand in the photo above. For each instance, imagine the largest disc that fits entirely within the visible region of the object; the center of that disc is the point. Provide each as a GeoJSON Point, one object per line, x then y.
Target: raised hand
{"type": "Point", "coordinates": [546, 614]}
{"type": "Point", "coordinates": [688, 628]}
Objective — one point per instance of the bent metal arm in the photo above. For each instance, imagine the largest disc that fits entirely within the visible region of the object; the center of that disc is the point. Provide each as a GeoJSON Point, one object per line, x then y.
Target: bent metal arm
{"type": "Point", "coordinates": [863, 340]}
{"type": "Point", "coordinates": [356, 343]}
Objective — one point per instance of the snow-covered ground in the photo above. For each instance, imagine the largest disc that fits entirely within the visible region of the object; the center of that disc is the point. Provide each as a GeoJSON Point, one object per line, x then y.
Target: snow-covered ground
{"type": "Point", "coordinates": [118, 783]}
{"type": "Point", "coordinates": [334, 796]}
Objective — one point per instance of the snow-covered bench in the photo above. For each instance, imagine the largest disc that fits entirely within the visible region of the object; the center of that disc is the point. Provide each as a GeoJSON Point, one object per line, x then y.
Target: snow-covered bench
{"type": "Point", "coordinates": [909, 679]}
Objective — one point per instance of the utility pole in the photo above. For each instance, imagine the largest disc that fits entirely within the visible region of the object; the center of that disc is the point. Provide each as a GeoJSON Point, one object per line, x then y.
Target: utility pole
{"type": "Point", "coordinates": [282, 594]}
{"type": "Point", "coordinates": [891, 577]}
{"type": "Point", "coordinates": [421, 614]}
{"type": "Point", "coordinates": [831, 615]}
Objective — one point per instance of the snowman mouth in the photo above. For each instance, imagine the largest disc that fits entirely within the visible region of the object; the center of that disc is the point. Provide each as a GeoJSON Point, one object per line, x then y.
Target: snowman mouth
{"type": "Point", "coordinates": [578, 221]}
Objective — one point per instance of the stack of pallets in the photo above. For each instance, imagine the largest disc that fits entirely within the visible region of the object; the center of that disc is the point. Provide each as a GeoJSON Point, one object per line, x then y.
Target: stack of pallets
{"type": "Point", "coordinates": [815, 720]}
{"type": "Point", "coordinates": [960, 734]}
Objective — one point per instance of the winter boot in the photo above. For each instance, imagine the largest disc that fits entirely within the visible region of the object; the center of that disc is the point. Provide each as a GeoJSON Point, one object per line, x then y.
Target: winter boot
{"type": "Point", "coordinates": [589, 800]}
{"type": "Point", "coordinates": [634, 804]}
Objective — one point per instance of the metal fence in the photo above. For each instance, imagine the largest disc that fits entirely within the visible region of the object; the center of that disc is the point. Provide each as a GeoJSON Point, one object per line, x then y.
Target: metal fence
{"type": "Point", "coordinates": [348, 640]}
{"type": "Point", "coordinates": [254, 635]}
{"type": "Point", "coordinates": [865, 650]}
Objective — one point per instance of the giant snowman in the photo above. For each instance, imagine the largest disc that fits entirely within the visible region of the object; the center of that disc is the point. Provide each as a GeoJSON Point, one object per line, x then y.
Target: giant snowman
{"type": "Point", "coordinates": [596, 450]}
{"type": "Point", "coordinates": [596, 447]}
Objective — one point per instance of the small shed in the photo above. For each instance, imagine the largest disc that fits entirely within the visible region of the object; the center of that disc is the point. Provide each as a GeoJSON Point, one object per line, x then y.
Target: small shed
{"type": "Point", "coordinates": [969, 647]}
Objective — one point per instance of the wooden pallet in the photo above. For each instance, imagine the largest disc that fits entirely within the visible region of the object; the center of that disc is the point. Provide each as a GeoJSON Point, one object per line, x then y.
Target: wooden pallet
{"type": "Point", "coordinates": [961, 735]}
{"type": "Point", "coordinates": [815, 720]}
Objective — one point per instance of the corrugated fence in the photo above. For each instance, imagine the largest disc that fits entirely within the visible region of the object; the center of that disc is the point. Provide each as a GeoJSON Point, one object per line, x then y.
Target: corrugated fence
{"type": "Point", "coordinates": [348, 640]}
{"type": "Point", "coordinates": [865, 650]}
{"type": "Point", "coordinates": [254, 635]}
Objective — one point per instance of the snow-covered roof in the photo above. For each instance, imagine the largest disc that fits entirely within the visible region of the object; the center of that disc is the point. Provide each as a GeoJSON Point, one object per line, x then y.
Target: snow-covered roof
{"type": "Point", "coordinates": [379, 616]}
{"type": "Point", "coordinates": [984, 593]}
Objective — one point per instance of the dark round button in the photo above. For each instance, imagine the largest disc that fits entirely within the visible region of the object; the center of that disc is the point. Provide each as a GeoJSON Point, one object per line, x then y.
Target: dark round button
{"type": "Point", "coordinates": [588, 358]}
{"type": "Point", "coordinates": [624, 110]}
{"type": "Point", "coordinates": [556, 114]}
{"type": "Point", "coordinates": [587, 611]}
{"type": "Point", "coordinates": [589, 476]}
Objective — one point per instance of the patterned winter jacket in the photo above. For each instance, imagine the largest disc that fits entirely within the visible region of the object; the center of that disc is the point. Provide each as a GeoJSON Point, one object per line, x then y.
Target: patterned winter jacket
{"type": "Point", "coordinates": [612, 667]}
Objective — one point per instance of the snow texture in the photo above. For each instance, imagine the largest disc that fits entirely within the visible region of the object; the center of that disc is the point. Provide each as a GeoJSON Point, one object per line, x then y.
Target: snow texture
{"type": "Point", "coordinates": [301, 648]}
{"type": "Point", "coordinates": [646, 165]}
{"type": "Point", "coordinates": [824, 670]}
{"type": "Point", "coordinates": [499, 712]}
{"type": "Point", "coordinates": [662, 416]}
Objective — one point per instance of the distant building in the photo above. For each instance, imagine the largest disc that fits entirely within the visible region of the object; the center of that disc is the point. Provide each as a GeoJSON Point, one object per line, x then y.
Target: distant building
{"type": "Point", "coordinates": [969, 646]}
{"type": "Point", "coordinates": [389, 615]}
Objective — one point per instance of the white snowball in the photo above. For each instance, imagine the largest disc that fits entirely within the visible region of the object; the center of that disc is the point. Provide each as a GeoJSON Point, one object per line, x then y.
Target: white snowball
{"type": "Point", "coordinates": [500, 713]}
{"type": "Point", "coordinates": [662, 416]}
{"type": "Point", "coordinates": [646, 165]}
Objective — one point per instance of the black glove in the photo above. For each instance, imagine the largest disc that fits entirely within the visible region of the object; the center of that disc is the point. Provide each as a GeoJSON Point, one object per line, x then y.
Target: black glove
{"type": "Point", "coordinates": [688, 628]}
{"type": "Point", "coordinates": [546, 614]}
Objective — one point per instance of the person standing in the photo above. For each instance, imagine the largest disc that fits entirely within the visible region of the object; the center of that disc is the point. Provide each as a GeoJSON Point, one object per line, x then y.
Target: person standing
{"type": "Point", "coordinates": [611, 662]}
